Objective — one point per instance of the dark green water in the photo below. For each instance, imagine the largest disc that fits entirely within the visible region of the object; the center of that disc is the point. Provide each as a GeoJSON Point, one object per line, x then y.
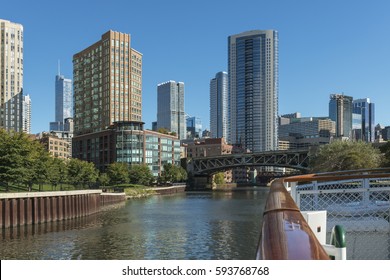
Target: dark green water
{"type": "Point", "coordinates": [207, 226]}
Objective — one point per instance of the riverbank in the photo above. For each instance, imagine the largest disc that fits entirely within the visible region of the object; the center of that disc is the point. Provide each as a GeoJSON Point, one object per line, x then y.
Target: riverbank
{"type": "Point", "coordinates": [143, 191]}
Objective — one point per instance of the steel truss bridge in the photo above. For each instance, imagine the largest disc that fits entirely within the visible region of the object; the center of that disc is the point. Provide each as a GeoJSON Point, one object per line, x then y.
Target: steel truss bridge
{"type": "Point", "coordinates": [294, 159]}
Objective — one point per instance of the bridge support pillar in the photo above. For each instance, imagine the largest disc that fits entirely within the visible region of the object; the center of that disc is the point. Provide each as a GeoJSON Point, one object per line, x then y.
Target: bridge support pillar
{"type": "Point", "coordinates": [201, 182]}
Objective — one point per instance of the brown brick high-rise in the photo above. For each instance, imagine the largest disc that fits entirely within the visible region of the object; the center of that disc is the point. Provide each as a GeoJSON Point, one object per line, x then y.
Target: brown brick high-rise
{"type": "Point", "coordinates": [107, 79]}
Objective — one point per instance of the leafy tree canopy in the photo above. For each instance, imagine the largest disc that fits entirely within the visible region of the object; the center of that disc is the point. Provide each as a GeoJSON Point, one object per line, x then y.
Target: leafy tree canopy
{"type": "Point", "coordinates": [385, 149]}
{"type": "Point", "coordinates": [173, 173]}
{"type": "Point", "coordinates": [219, 178]}
{"type": "Point", "coordinates": [118, 172]}
{"type": "Point", "coordinates": [140, 174]}
{"type": "Point", "coordinates": [345, 155]}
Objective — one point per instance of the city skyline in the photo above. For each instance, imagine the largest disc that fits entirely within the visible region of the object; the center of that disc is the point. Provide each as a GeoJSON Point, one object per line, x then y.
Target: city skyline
{"type": "Point", "coordinates": [342, 50]}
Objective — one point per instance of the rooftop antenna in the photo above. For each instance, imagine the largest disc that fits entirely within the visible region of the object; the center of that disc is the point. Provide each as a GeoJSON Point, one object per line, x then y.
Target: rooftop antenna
{"type": "Point", "coordinates": [59, 66]}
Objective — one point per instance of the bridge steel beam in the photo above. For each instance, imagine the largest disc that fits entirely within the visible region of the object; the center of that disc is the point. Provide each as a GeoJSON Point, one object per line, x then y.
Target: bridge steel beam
{"type": "Point", "coordinates": [298, 159]}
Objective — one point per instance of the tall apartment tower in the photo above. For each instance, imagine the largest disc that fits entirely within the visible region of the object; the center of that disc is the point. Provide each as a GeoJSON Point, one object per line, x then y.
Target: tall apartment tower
{"type": "Point", "coordinates": [107, 79]}
{"type": "Point", "coordinates": [170, 108]}
{"type": "Point", "coordinates": [63, 102]}
{"type": "Point", "coordinates": [253, 89]}
{"type": "Point", "coordinates": [366, 109]}
{"type": "Point", "coordinates": [26, 114]}
{"type": "Point", "coordinates": [11, 75]}
{"type": "Point", "coordinates": [340, 111]}
{"type": "Point", "coordinates": [219, 106]}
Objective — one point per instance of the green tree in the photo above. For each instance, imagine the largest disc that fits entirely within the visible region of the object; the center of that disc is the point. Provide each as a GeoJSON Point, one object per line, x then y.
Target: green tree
{"type": "Point", "coordinates": [37, 165]}
{"type": "Point", "coordinates": [10, 161]}
{"type": "Point", "coordinates": [75, 172]}
{"type": "Point", "coordinates": [23, 161]}
{"type": "Point", "coordinates": [140, 174]}
{"type": "Point", "coordinates": [82, 173]}
{"type": "Point", "coordinates": [219, 178]}
{"type": "Point", "coordinates": [385, 149]}
{"type": "Point", "coordinates": [104, 180]}
{"type": "Point", "coordinates": [118, 172]}
{"type": "Point", "coordinates": [183, 174]}
{"type": "Point", "coordinates": [57, 171]}
{"type": "Point", "coordinates": [345, 155]}
{"type": "Point", "coordinates": [173, 173]}
{"type": "Point", "coordinates": [91, 174]}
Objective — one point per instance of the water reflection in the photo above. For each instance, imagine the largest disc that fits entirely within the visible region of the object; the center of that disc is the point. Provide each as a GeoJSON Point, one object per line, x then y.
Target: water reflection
{"type": "Point", "coordinates": [182, 226]}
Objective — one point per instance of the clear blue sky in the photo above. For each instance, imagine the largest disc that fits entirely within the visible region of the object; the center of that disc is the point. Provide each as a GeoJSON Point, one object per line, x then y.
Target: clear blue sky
{"type": "Point", "coordinates": [325, 47]}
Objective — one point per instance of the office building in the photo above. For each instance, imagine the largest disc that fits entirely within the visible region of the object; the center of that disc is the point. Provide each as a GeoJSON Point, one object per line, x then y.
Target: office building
{"type": "Point", "coordinates": [340, 111]}
{"type": "Point", "coordinates": [308, 128]}
{"type": "Point", "coordinates": [170, 108]}
{"type": "Point", "coordinates": [194, 127]}
{"type": "Point", "coordinates": [385, 134]}
{"type": "Point", "coordinates": [365, 120]}
{"type": "Point", "coordinates": [56, 146]}
{"type": "Point", "coordinates": [26, 114]}
{"type": "Point", "coordinates": [128, 142]}
{"type": "Point", "coordinates": [63, 102]}
{"type": "Point", "coordinates": [11, 75]}
{"type": "Point", "coordinates": [297, 132]}
{"type": "Point", "coordinates": [253, 89]}
{"type": "Point", "coordinates": [107, 79]}
{"type": "Point", "coordinates": [219, 106]}
{"type": "Point", "coordinates": [66, 134]}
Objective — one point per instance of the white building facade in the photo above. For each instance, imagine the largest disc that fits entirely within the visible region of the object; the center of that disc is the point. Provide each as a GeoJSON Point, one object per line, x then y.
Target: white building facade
{"type": "Point", "coordinates": [11, 75]}
{"type": "Point", "coordinates": [219, 106]}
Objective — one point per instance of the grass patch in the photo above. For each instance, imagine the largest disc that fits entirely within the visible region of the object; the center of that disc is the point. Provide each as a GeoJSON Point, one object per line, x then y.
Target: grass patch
{"type": "Point", "coordinates": [133, 190]}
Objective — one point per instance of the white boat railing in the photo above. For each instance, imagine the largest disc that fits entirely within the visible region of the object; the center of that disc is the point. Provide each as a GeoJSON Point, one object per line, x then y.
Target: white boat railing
{"type": "Point", "coordinates": [359, 202]}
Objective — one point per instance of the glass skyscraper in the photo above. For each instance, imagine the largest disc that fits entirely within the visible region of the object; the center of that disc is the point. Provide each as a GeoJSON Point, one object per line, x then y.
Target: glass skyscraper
{"type": "Point", "coordinates": [219, 106]}
{"type": "Point", "coordinates": [170, 108]}
{"type": "Point", "coordinates": [194, 127]}
{"type": "Point", "coordinates": [340, 111]}
{"type": "Point", "coordinates": [366, 109]}
{"type": "Point", "coordinates": [63, 102]}
{"type": "Point", "coordinates": [253, 89]}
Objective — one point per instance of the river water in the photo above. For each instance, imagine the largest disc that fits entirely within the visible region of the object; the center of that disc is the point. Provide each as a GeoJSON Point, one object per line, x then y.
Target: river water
{"type": "Point", "coordinates": [202, 225]}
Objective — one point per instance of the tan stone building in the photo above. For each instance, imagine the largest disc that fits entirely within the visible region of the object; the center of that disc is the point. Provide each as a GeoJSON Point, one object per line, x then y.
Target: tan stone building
{"type": "Point", "coordinates": [56, 146]}
{"type": "Point", "coordinates": [11, 75]}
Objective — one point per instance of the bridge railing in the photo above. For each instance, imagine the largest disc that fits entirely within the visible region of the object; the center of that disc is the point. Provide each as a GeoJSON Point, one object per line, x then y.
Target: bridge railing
{"type": "Point", "coordinates": [285, 234]}
{"type": "Point", "coordinates": [357, 200]}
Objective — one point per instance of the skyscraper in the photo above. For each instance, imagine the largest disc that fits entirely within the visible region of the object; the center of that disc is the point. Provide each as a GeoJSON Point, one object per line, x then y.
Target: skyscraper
{"type": "Point", "coordinates": [194, 127]}
{"type": "Point", "coordinates": [11, 75]}
{"type": "Point", "coordinates": [340, 111]}
{"type": "Point", "coordinates": [170, 108]}
{"type": "Point", "coordinates": [107, 79]}
{"type": "Point", "coordinates": [253, 89]}
{"type": "Point", "coordinates": [26, 114]}
{"type": "Point", "coordinates": [366, 109]}
{"type": "Point", "coordinates": [219, 106]}
{"type": "Point", "coordinates": [63, 102]}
